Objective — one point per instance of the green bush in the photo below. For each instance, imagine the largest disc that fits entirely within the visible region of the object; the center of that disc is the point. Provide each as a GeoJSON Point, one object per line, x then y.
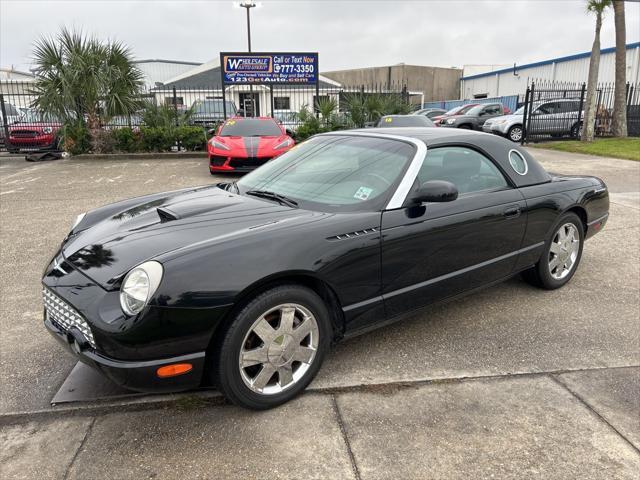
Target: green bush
{"type": "Point", "coordinates": [191, 138]}
{"type": "Point", "coordinates": [76, 138]}
{"type": "Point", "coordinates": [157, 139]}
{"type": "Point", "coordinates": [126, 140]}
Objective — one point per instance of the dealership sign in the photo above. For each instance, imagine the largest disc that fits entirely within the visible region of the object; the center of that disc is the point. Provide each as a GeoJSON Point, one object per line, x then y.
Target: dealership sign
{"type": "Point", "coordinates": [270, 68]}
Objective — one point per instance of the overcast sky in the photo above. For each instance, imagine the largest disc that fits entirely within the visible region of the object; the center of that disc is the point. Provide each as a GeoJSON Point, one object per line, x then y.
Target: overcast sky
{"type": "Point", "coordinates": [346, 33]}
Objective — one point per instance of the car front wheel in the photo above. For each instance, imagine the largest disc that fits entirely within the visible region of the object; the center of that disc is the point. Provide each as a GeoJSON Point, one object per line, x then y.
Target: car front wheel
{"type": "Point", "coordinates": [273, 347]}
{"type": "Point", "coordinates": [515, 133]}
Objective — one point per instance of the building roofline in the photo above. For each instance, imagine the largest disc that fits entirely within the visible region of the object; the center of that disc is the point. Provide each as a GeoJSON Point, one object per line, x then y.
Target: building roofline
{"type": "Point", "coordinates": [19, 72]}
{"type": "Point", "coordinates": [159, 60]}
{"type": "Point", "coordinates": [329, 72]}
{"type": "Point", "coordinates": [567, 58]}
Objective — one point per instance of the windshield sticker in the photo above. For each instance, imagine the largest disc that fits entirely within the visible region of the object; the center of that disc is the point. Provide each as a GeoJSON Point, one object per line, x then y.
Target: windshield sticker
{"type": "Point", "coordinates": [388, 119]}
{"type": "Point", "coordinates": [231, 122]}
{"type": "Point", "coordinates": [363, 193]}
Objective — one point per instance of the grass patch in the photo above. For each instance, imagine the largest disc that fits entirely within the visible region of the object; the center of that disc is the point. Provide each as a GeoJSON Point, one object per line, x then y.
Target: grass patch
{"type": "Point", "coordinates": [627, 148]}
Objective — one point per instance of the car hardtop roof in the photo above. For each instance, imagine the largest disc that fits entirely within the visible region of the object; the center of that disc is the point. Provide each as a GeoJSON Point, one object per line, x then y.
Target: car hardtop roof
{"type": "Point", "coordinates": [426, 134]}
{"type": "Point", "coordinates": [497, 147]}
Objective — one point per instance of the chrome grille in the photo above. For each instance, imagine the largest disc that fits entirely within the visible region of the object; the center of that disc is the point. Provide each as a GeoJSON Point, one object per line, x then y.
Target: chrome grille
{"type": "Point", "coordinates": [64, 315]}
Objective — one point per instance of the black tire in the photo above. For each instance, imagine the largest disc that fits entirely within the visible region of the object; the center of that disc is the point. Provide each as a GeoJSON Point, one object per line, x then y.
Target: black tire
{"type": "Point", "coordinates": [540, 275]}
{"type": "Point", "coordinates": [226, 372]}
{"type": "Point", "coordinates": [466, 126]}
{"type": "Point", "coordinates": [515, 133]}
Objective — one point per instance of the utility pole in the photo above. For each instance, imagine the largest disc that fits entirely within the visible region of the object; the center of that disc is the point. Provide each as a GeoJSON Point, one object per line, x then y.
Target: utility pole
{"type": "Point", "coordinates": [248, 5]}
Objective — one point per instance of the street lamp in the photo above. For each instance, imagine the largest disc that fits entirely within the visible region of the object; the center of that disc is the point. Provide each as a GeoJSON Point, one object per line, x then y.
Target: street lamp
{"type": "Point", "coordinates": [248, 5]}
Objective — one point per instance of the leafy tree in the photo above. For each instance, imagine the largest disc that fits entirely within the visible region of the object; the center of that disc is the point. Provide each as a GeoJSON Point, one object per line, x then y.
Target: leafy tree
{"type": "Point", "coordinates": [598, 7]}
{"type": "Point", "coordinates": [619, 123]}
{"type": "Point", "coordinates": [80, 78]}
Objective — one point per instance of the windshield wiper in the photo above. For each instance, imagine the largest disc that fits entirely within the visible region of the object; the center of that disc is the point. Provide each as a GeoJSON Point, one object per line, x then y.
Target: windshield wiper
{"type": "Point", "coordinates": [273, 196]}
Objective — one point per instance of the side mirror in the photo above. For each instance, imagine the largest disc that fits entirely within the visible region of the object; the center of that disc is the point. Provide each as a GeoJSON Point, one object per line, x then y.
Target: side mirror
{"type": "Point", "coordinates": [436, 191]}
{"type": "Point", "coordinates": [211, 131]}
{"type": "Point", "coordinates": [289, 132]}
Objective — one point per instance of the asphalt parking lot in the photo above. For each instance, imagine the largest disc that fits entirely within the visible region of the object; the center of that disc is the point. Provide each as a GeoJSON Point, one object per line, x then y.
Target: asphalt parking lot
{"type": "Point", "coordinates": [512, 382]}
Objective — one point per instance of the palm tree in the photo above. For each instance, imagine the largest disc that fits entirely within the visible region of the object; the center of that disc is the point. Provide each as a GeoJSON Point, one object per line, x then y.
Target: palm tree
{"type": "Point", "coordinates": [597, 7]}
{"type": "Point", "coordinates": [80, 78]}
{"type": "Point", "coordinates": [619, 123]}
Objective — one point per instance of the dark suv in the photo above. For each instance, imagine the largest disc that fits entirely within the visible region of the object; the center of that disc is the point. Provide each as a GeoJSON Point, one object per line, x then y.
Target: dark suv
{"type": "Point", "coordinates": [475, 117]}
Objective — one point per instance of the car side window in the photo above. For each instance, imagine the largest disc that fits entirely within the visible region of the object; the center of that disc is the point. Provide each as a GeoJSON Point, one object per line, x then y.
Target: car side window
{"type": "Point", "coordinates": [469, 170]}
{"type": "Point", "coordinates": [546, 108]}
{"type": "Point", "coordinates": [492, 110]}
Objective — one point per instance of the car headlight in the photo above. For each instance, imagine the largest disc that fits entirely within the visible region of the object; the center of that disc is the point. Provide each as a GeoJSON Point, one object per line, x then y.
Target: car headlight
{"type": "Point", "coordinates": [221, 146]}
{"type": "Point", "coordinates": [288, 142]}
{"type": "Point", "coordinates": [139, 285]}
{"type": "Point", "coordinates": [77, 221]}
{"type": "Point", "coordinates": [47, 130]}
{"type": "Point", "coordinates": [500, 122]}
{"type": "Point", "coordinates": [451, 121]}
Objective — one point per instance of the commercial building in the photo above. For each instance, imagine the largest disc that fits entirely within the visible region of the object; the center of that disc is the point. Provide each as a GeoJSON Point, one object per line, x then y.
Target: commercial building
{"type": "Point", "coordinates": [572, 68]}
{"type": "Point", "coordinates": [432, 83]}
{"type": "Point", "coordinates": [159, 70]}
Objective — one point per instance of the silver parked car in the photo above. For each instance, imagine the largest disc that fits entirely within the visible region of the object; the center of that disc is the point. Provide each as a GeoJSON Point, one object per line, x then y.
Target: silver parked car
{"type": "Point", "coordinates": [557, 118]}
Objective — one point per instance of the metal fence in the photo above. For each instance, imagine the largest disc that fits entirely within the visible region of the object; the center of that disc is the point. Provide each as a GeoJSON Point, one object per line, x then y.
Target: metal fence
{"type": "Point", "coordinates": [509, 101]}
{"type": "Point", "coordinates": [555, 111]}
{"type": "Point", "coordinates": [185, 104]}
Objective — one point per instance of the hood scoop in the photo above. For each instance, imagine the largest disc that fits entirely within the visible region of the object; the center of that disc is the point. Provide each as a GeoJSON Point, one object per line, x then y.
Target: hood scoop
{"type": "Point", "coordinates": [166, 215]}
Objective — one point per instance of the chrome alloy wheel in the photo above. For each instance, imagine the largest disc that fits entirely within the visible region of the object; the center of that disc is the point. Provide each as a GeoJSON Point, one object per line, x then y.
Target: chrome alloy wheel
{"type": "Point", "coordinates": [515, 134]}
{"type": "Point", "coordinates": [278, 349]}
{"type": "Point", "coordinates": [563, 251]}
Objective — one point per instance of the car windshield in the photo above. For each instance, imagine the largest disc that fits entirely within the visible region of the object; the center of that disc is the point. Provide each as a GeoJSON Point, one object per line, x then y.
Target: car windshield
{"type": "Point", "coordinates": [335, 173]}
{"type": "Point", "coordinates": [213, 106]}
{"type": "Point", "coordinates": [250, 127]}
{"type": "Point", "coordinates": [519, 111]}
{"type": "Point", "coordinates": [33, 116]}
{"type": "Point", "coordinates": [405, 121]}
{"type": "Point", "coordinates": [474, 110]}
{"type": "Point", "coordinates": [460, 110]}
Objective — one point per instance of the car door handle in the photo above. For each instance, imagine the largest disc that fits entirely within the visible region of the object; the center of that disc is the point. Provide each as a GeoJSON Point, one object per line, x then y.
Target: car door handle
{"type": "Point", "coordinates": [512, 212]}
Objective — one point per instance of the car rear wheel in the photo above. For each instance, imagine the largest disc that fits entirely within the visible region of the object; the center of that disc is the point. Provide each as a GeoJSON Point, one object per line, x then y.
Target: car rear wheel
{"type": "Point", "coordinates": [273, 347]}
{"type": "Point", "coordinates": [515, 133]}
{"type": "Point", "coordinates": [561, 256]}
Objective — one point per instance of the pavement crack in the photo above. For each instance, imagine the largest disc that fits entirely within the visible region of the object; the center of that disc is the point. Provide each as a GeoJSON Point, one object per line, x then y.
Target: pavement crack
{"type": "Point", "coordinates": [80, 447]}
{"type": "Point", "coordinates": [345, 437]}
{"type": "Point", "coordinates": [593, 410]}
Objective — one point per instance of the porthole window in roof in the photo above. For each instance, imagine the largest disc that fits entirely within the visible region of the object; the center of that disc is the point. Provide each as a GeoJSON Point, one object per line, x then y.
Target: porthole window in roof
{"type": "Point", "coordinates": [518, 162]}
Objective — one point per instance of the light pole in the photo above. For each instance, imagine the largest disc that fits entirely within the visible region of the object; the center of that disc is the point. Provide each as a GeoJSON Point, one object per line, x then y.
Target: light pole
{"type": "Point", "coordinates": [248, 5]}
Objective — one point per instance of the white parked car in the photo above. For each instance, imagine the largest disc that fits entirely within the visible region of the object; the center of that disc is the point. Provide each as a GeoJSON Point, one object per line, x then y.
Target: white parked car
{"type": "Point", "coordinates": [557, 118]}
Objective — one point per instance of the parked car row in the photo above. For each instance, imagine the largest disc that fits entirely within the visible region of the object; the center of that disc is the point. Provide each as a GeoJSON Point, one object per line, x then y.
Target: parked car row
{"type": "Point", "coordinates": [555, 118]}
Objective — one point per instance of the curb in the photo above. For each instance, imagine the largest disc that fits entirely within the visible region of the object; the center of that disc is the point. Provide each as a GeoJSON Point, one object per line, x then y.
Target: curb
{"type": "Point", "coordinates": [140, 156]}
{"type": "Point", "coordinates": [211, 397]}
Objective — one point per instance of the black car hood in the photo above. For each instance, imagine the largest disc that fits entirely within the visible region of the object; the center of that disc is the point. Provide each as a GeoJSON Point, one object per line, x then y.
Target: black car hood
{"type": "Point", "coordinates": [172, 224]}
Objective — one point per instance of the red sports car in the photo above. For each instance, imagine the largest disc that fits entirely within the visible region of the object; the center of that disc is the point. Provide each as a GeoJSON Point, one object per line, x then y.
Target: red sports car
{"type": "Point", "coordinates": [34, 132]}
{"type": "Point", "coordinates": [242, 144]}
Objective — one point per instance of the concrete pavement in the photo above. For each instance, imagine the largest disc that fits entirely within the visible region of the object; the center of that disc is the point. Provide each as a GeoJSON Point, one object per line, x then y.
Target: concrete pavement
{"type": "Point", "coordinates": [511, 382]}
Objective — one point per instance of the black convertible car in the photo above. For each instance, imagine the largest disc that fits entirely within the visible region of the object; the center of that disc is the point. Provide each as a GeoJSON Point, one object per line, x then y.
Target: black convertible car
{"type": "Point", "coordinates": [245, 285]}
